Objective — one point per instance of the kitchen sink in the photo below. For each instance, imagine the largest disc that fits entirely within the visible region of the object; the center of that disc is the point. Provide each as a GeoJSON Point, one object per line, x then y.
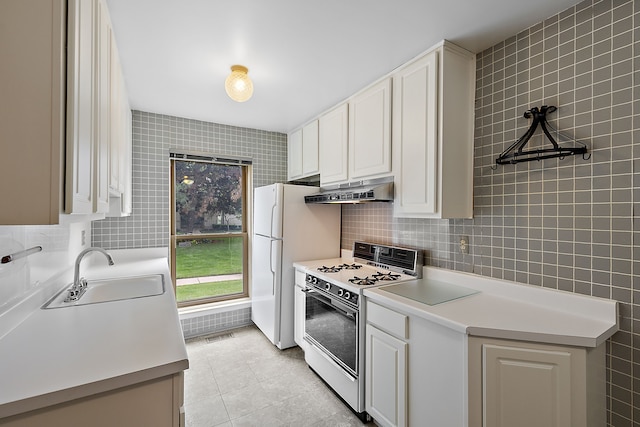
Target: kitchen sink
{"type": "Point", "coordinates": [107, 290]}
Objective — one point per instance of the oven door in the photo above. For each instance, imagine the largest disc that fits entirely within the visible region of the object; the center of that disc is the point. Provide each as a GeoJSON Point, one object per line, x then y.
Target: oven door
{"type": "Point", "coordinates": [332, 327]}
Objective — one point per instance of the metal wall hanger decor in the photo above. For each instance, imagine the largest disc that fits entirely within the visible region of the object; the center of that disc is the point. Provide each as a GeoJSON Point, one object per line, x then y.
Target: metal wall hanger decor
{"type": "Point", "coordinates": [516, 153]}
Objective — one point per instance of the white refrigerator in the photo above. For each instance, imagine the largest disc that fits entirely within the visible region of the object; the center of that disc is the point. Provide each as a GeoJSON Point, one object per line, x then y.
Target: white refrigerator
{"type": "Point", "coordinates": [286, 230]}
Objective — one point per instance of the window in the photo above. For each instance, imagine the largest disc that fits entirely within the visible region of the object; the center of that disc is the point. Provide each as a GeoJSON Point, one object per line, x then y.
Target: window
{"type": "Point", "coordinates": [209, 237]}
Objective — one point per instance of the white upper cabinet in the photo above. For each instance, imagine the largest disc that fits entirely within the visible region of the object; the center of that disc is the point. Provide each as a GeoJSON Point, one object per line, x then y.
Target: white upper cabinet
{"type": "Point", "coordinates": [294, 151]}
{"type": "Point", "coordinates": [102, 111]}
{"type": "Point", "coordinates": [416, 125]}
{"type": "Point", "coordinates": [115, 186]}
{"type": "Point", "coordinates": [120, 141]}
{"type": "Point", "coordinates": [302, 148]}
{"type": "Point", "coordinates": [415, 136]}
{"type": "Point", "coordinates": [370, 132]}
{"type": "Point", "coordinates": [56, 90]}
{"type": "Point", "coordinates": [32, 120]}
{"type": "Point", "coordinates": [81, 147]}
{"type": "Point", "coordinates": [433, 101]}
{"type": "Point", "coordinates": [97, 108]}
{"type": "Point", "coordinates": [334, 145]}
{"type": "Point", "coordinates": [310, 160]}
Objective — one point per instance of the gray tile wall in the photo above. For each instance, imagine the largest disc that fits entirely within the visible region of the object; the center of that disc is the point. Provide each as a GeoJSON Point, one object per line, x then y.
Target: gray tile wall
{"type": "Point", "coordinates": [216, 322]}
{"type": "Point", "coordinates": [153, 136]}
{"type": "Point", "coordinates": [148, 226]}
{"type": "Point", "coordinates": [569, 224]}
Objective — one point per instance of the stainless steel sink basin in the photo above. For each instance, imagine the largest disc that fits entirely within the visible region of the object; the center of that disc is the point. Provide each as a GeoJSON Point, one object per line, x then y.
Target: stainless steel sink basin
{"type": "Point", "coordinates": [106, 290]}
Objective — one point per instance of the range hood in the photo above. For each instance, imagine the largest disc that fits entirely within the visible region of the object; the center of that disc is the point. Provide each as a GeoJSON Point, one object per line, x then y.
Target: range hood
{"type": "Point", "coordinates": [375, 190]}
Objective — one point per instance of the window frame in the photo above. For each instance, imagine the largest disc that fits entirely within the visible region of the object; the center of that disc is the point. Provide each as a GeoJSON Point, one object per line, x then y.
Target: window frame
{"type": "Point", "coordinates": [246, 168]}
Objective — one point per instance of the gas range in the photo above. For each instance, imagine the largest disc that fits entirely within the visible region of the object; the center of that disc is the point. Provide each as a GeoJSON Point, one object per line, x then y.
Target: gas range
{"type": "Point", "coordinates": [372, 265]}
{"type": "Point", "coordinates": [332, 310]}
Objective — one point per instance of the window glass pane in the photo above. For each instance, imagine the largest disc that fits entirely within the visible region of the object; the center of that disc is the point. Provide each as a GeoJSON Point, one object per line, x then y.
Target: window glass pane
{"type": "Point", "coordinates": [208, 268]}
{"type": "Point", "coordinates": [208, 198]}
{"type": "Point", "coordinates": [210, 251]}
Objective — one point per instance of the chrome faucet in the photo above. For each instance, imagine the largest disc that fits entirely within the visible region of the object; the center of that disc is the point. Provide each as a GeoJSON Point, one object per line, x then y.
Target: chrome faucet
{"type": "Point", "coordinates": [80, 284]}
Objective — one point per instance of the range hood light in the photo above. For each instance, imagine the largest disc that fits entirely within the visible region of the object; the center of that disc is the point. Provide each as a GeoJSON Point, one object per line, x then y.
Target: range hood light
{"type": "Point", "coordinates": [380, 190]}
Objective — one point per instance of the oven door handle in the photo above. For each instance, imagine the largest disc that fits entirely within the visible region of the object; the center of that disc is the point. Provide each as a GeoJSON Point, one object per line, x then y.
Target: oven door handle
{"type": "Point", "coordinates": [336, 305]}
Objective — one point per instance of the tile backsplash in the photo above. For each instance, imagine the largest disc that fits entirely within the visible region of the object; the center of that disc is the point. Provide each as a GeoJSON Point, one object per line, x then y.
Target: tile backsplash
{"type": "Point", "coordinates": [153, 136]}
{"type": "Point", "coordinates": [569, 224]}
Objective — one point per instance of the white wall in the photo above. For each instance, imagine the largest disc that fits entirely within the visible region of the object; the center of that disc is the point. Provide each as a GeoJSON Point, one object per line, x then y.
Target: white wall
{"type": "Point", "coordinates": [22, 277]}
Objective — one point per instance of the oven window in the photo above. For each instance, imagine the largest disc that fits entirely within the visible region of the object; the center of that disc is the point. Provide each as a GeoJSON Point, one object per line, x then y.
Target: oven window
{"type": "Point", "coordinates": [334, 330]}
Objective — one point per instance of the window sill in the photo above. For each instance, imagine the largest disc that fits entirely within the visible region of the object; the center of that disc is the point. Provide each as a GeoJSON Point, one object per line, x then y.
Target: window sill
{"type": "Point", "coordinates": [213, 308]}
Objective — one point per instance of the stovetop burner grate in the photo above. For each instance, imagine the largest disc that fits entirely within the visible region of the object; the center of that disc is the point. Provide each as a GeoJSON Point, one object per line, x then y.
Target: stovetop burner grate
{"type": "Point", "coordinates": [363, 281]}
{"type": "Point", "coordinates": [385, 276]}
{"type": "Point", "coordinates": [350, 266]}
{"type": "Point", "coordinates": [332, 269]}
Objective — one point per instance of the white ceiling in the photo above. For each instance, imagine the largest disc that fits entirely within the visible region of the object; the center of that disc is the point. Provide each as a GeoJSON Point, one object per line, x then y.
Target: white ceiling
{"type": "Point", "coordinates": [303, 56]}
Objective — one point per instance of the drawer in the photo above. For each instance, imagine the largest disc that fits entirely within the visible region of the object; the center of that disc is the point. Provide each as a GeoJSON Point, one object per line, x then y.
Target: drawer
{"type": "Point", "coordinates": [387, 320]}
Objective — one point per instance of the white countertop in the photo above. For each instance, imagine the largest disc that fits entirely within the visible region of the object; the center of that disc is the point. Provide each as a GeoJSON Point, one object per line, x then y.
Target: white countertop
{"type": "Point", "coordinates": [57, 355]}
{"type": "Point", "coordinates": [509, 310]}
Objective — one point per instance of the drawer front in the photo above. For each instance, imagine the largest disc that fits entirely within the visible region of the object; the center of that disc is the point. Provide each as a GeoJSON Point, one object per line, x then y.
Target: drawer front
{"type": "Point", "coordinates": [387, 320]}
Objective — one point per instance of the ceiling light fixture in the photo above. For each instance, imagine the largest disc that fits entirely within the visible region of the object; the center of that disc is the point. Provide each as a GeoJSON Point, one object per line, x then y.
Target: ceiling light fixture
{"type": "Point", "coordinates": [238, 85]}
{"type": "Point", "coordinates": [186, 180]}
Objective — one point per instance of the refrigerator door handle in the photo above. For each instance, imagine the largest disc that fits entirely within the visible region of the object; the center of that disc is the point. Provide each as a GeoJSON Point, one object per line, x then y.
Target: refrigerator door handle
{"type": "Point", "coordinates": [273, 216]}
{"type": "Point", "coordinates": [272, 267]}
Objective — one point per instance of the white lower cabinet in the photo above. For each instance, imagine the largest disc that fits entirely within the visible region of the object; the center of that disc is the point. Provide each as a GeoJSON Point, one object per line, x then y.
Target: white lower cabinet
{"type": "Point", "coordinates": [386, 378]}
{"type": "Point", "coordinates": [157, 402]}
{"type": "Point", "coordinates": [531, 385]}
{"type": "Point", "coordinates": [414, 372]}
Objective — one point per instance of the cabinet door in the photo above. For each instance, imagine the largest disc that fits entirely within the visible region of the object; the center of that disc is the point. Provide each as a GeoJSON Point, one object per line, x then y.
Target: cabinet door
{"type": "Point", "coordinates": [526, 387]}
{"type": "Point", "coordinates": [333, 136]}
{"type": "Point", "coordinates": [294, 150]}
{"type": "Point", "coordinates": [32, 126]}
{"type": "Point", "coordinates": [370, 132]}
{"type": "Point", "coordinates": [116, 122]}
{"type": "Point", "coordinates": [385, 378]}
{"type": "Point", "coordinates": [415, 137]}
{"type": "Point", "coordinates": [102, 125]}
{"type": "Point", "coordinates": [127, 171]}
{"type": "Point", "coordinates": [80, 107]}
{"type": "Point", "coordinates": [310, 163]}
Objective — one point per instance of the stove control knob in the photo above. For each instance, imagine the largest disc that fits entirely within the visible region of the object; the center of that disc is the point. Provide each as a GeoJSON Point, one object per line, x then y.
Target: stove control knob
{"type": "Point", "coordinates": [340, 292]}
{"type": "Point", "coordinates": [347, 295]}
{"type": "Point", "coordinates": [327, 286]}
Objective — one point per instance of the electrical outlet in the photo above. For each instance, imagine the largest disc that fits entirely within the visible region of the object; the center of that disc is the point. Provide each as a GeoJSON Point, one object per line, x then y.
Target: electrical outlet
{"type": "Point", "coordinates": [464, 244]}
{"type": "Point", "coordinates": [82, 237]}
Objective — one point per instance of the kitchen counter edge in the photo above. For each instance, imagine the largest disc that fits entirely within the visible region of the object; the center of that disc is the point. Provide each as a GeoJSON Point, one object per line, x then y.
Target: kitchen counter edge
{"type": "Point", "coordinates": [511, 310]}
{"type": "Point", "coordinates": [86, 381]}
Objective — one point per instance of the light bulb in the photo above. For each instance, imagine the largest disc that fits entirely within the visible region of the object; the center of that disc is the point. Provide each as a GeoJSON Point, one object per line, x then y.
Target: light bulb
{"type": "Point", "coordinates": [238, 84]}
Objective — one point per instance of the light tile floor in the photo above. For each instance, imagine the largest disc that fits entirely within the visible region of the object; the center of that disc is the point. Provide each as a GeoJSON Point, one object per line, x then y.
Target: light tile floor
{"type": "Point", "coordinates": [241, 379]}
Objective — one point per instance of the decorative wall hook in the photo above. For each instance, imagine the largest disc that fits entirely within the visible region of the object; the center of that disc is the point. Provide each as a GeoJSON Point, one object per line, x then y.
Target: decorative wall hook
{"type": "Point", "coordinates": [516, 153]}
